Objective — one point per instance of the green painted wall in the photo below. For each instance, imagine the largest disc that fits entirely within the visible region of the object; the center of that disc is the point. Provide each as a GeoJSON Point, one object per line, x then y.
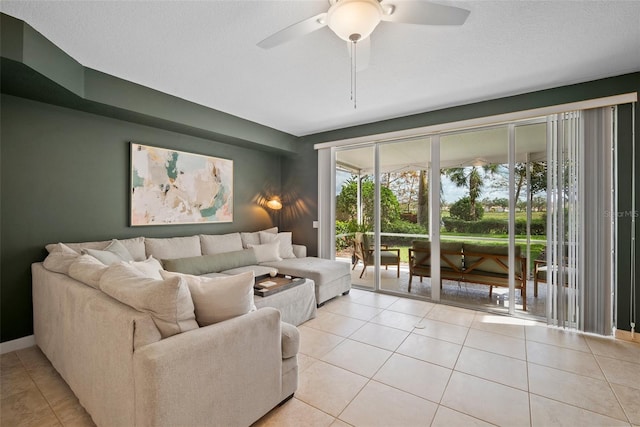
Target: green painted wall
{"type": "Point", "coordinates": [300, 197]}
{"type": "Point", "coordinates": [626, 213]}
{"type": "Point", "coordinates": [65, 177]}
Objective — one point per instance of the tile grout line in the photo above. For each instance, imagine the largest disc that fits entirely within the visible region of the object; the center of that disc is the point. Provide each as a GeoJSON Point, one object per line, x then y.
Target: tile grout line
{"type": "Point", "coordinates": [526, 357]}
{"type": "Point", "coordinates": [615, 395]}
{"type": "Point", "coordinates": [53, 411]}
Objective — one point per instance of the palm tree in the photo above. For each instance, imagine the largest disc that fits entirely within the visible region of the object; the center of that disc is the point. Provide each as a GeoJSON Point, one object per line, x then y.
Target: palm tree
{"type": "Point", "coordinates": [470, 178]}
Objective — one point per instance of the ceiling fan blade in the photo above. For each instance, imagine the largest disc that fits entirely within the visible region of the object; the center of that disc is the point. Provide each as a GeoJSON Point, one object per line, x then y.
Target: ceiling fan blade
{"type": "Point", "coordinates": [423, 13]}
{"type": "Point", "coordinates": [363, 53]}
{"type": "Point", "coordinates": [294, 31]}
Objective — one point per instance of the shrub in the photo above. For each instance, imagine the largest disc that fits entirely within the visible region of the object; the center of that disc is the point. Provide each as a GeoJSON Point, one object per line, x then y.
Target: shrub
{"type": "Point", "coordinates": [402, 227]}
{"type": "Point", "coordinates": [493, 226]}
{"type": "Point", "coordinates": [462, 210]}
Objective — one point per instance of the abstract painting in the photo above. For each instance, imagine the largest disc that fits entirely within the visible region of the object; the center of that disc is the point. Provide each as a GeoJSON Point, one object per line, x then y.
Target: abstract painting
{"type": "Point", "coordinates": [174, 187]}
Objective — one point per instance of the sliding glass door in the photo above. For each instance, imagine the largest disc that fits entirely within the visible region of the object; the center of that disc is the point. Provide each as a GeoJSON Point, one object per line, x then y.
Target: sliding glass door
{"type": "Point", "coordinates": [517, 217]}
{"type": "Point", "coordinates": [474, 243]}
{"type": "Point", "coordinates": [355, 200]}
{"type": "Point", "coordinates": [403, 174]}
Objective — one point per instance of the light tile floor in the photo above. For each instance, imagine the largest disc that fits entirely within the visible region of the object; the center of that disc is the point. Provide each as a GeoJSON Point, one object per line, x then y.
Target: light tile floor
{"type": "Point", "coordinates": [378, 360]}
{"type": "Point", "coordinates": [469, 295]}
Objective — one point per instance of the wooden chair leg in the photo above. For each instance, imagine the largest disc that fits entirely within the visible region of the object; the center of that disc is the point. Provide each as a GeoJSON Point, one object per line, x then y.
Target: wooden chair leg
{"type": "Point", "coordinates": [535, 286]}
{"type": "Point", "coordinates": [398, 269]}
{"type": "Point", "coordinates": [523, 292]}
{"type": "Point", "coordinates": [410, 279]}
{"type": "Point", "coordinates": [490, 291]}
{"type": "Point", "coordinates": [363, 270]}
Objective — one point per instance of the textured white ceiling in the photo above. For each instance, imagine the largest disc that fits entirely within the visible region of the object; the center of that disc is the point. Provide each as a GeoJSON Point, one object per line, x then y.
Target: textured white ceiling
{"type": "Point", "coordinates": [205, 52]}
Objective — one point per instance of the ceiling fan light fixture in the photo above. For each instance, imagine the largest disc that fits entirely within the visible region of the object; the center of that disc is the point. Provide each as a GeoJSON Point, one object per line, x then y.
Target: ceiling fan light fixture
{"type": "Point", "coordinates": [354, 20]}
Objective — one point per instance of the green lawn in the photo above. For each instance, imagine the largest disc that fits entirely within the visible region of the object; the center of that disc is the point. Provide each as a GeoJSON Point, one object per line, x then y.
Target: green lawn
{"type": "Point", "coordinates": [537, 242]}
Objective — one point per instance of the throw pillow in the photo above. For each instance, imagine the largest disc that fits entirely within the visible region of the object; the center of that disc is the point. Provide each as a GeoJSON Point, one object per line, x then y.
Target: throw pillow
{"type": "Point", "coordinates": [219, 298]}
{"type": "Point", "coordinates": [286, 247]}
{"type": "Point", "coordinates": [216, 244]}
{"type": "Point", "coordinates": [267, 252]}
{"type": "Point", "coordinates": [60, 259]}
{"type": "Point", "coordinates": [168, 302]}
{"type": "Point", "coordinates": [135, 246]}
{"type": "Point", "coordinates": [150, 267]}
{"type": "Point", "coordinates": [211, 263]}
{"type": "Point", "coordinates": [88, 270]}
{"type": "Point", "coordinates": [254, 238]}
{"type": "Point", "coordinates": [113, 253]}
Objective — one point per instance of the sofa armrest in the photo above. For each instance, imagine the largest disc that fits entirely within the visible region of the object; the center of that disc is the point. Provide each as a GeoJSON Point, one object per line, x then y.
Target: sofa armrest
{"type": "Point", "coordinates": [229, 373]}
{"type": "Point", "coordinates": [300, 251]}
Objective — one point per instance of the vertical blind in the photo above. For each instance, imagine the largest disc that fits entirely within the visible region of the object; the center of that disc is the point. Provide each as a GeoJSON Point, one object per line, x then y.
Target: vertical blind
{"type": "Point", "coordinates": [580, 220]}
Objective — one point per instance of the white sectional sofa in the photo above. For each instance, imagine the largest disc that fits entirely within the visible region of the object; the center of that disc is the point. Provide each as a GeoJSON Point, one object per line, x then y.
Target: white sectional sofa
{"type": "Point", "coordinates": [127, 370]}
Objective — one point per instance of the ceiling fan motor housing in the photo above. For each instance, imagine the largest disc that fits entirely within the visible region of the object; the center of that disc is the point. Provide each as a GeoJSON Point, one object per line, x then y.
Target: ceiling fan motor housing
{"type": "Point", "coordinates": [354, 20]}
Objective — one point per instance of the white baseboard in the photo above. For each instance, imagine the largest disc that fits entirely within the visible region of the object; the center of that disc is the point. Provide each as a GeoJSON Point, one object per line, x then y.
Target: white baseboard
{"type": "Point", "coordinates": [19, 344]}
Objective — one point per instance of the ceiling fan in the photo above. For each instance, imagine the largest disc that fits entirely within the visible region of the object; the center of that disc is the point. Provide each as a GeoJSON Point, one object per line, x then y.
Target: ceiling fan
{"type": "Point", "coordinates": [355, 20]}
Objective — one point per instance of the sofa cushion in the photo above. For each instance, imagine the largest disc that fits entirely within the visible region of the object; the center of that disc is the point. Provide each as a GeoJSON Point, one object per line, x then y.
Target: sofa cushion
{"type": "Point", "coordinates": [113, 253]}
{"type": "Point", "coordinates": [284, 238]}
{"type": "Point", "coordinates": [317, 269]}
{"type": "Point", "coordinates": [254, 238]}
{"type": "Point", "coordinates": [258, 270]}
{"type": "Point", "coordinates": [173, 247]}
{"type": "Point", "coordinates": [216, 244]}
{"type": "Point", "coordinates": [167, 301]}
{"type": "Point", "coordinates": [60, 258]}
{"type": "Point", "coordinates": [290, 340]}
{"type": "Point", "coordinates": [135, 246]}
{"type": "Point", "coordinates": [425, 261]}
{"type": "Point", "coordinates": [490, 265]}
{"type": "Point", "coordinates": [211, 263]}
{"type": "Point", "coordinates": [88, 270]}
{"type": "Point", "coordinates": [150, 267]}
{"type": "Point", "coordinates": [219, 298]}
{"type": "Point", "coordinates": [267, 252]}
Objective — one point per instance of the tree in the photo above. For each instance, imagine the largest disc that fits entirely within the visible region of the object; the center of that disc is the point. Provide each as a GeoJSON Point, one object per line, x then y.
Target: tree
{"type": "Point", "coordinates": [538, 177]}
{"type": "Point", "coordinates": [470, 178]}
{"type": "Point", "coordinates": [405, 187]}
{"type": "Point", "coordinates": [461, 210]}
{"type": "Point", "coordinates": [423, 200]}
{"type": "Point", "coordinates": [539, 203]}
{"type": "Point", "coordinates": [500, 201]}
{"type": "Point", "coordinates": [347, 202]}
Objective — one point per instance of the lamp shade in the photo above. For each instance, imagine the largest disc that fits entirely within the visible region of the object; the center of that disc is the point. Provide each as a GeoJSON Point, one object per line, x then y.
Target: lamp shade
{"type": "Point", "coordinates": [274, 204]}
{"type": "Point", "coordinates": [354, 20]}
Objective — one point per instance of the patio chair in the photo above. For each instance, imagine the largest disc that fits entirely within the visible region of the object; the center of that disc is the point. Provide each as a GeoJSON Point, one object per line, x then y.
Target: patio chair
{"type": "Point", "coordinates": [364, 252]}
